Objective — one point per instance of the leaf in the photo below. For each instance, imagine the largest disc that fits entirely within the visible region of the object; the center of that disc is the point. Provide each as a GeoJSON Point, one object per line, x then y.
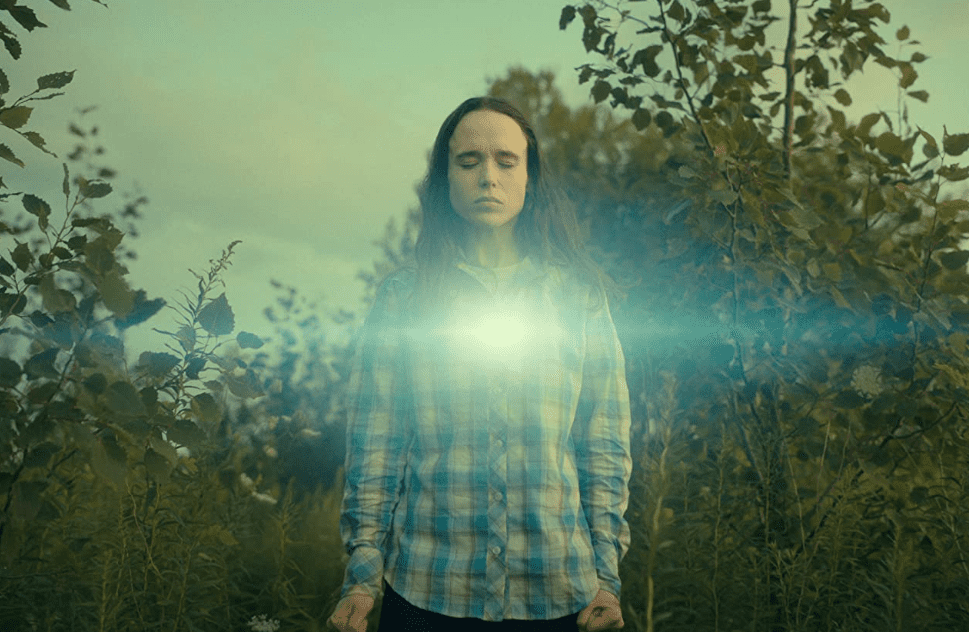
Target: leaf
{"type": "Point", "coordinates": [116, 294]}
{"type": "Point", "coordinates": [247, 340]}
{"type": "Point", "coordinates": [5, 268]}
{"type": "Point", "coordinates": [206, 409]}
{"type": "Point", "coordinates": [10, 42]}
{"type": "Point", "coordinates": [902, 33]}
{"type": "Point", "coordinates": [890, 144]}
{"type": "Point", "coordinates": [96, 383]}
{"type": "Point", "coordinates": [216, 317]}
{"type": "Point", "coordinates": [93, 190]}
{"type": "Point", "coordinates": [185, 433]}
{"type": "Point", "coordinates": [568, 14]}
{"type": "Point", "coordinates": [848, 399]}
{"type": "Point", "coordinates": [955, 144]}
{"type": "Point", "coordinates": [15, 118]}
{"type": "Point", "coordinates": [142, 310]}
{"type": "Point", "coordinates": [37, 141]}
{"type": "Point", "coordinates": [843, 97]}
{"type": "Point", "coordinates": [909, 75]}
{"type": "Point", "coordinates": [921, 95]}
{"type": "Point", "coordinates": [601, 90]}
{"type": "Point", "coordinates": [157, 364]}
{"type": "Point", "coordinates": [157, 465]}
{"type": "Point", "coordinates": [9, 373]}
{"type": "Point", "coordinates": [954, 260]}
{"type": "Point", "coordinates": [4, 83]}
{"type": "Point", "coordinates": [109, 460]}
{"type": "Point", "coordinates": [65, 185]}
{"type": "Point", "coordinates": [36, 206]}
{"type": "Point", "coordinates": [7, 154]}
{"type": "Point", "coordinates": [55, 299]}
{"type": "Point", "coordinates": [246, 386]}
{"type": "Point", "coordinates": [122, 398]}
{"type": "Point", "coordinates": [55, 81]}
{"type": "Point", "coordinates": [42, 365]}
{"type": "Point", "coordinates": [25, 17]}
{"type": "Point", "coordinates": [641, 118]}
{"type": "Point", "coordinates": [62, 4]}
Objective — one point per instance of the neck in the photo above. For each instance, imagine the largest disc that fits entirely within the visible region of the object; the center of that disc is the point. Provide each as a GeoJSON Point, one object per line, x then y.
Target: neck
{"type": "Point", "coordinates": [493, 248]}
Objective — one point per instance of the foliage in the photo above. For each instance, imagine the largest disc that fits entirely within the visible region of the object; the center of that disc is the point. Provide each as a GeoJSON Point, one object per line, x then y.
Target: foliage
{"type": "Point", "coordinates": [805, 298]}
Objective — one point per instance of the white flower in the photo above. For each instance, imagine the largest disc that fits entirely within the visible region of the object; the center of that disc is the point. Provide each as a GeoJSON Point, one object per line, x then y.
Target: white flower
{"type": "Point", "coordinates": [263, 624]}
{"type": "Point", "coordinates": [867, 380]}
{"type": "Point", "coordinates": [247, 483]}
{"type": "Point", "coordinates": [264, 498]}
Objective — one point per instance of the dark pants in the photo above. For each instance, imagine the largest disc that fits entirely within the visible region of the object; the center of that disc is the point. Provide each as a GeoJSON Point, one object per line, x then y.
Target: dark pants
{"type": "Point", "coordinates": [397, 615]}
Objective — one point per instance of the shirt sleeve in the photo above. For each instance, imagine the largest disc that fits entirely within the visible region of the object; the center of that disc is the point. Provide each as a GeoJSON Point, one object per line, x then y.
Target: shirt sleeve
{"type": "Point", "coordinates": [600, 434]}
{"type": "Point", "coordinates": [374, 466]}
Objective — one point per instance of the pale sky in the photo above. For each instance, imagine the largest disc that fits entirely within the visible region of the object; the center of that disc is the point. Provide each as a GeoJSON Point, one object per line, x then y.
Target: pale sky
{"type": "Point", "coordinates": [301, 126]}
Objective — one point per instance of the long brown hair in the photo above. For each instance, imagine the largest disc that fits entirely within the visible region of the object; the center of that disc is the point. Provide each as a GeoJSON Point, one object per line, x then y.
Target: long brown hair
{"type": "Point", "coordinates": [547, 229]}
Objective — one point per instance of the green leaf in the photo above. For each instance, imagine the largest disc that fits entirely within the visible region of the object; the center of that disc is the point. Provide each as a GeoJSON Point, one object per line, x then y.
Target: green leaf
{"type": "Point", "coordinates": [843, 97]}
{"type": "Point", "coordinates": [185, 433]}
{"type": "Point", "coordinates": [247, 340]}
{"type": "Point", "coordinates": [62, 4]}
{"type": "Point", "coordinates": [246, 386]}
{"type": "Point", "coordinates": [122, 398]}
{"type": "Point", "coordinates": [954, 260]}
{"type": "Point", "coordinates": [10, 42]}
{"type": "Point", "coordinates": [902, 33]}
{"type": "Point", "coordinates": [36, 206]}
{"type": "Point", "coordinates": [25, 17]}
{"type": "Point", "coordinates": [55, 81]}
{"type": "Point", "coordinates": [9, 373]}
{"type": "Point", "coordinates": [4, 83]}
{"type": "Point", "coordinates": [206, 409]}
{"type": "Point", "coordinates": [54, 299]}
{"type": "Point", "coordinates": [42, 365]}
{"type": "Point", "coordinates": [909, 75]}
{"type": "Point", "coordinates": [849, 400]}
{"type": "Point", "coordinates": [890, 144]}
{"type": "Point", "coordinates": [158, 466]}
{"type": "Point", "coordinates": [601, 90]}
{"type": "Point", "coordinates": [157, 364]}
{"type": "Point", "coordinates": [16, 117]}
{"type": "Point", "coordinates": [921, 95]}
{"type": "Point", "coordinates": [96, 383]}
{"type": "Point", "coordinates": [216, 317]}
{"type": "Point", "coordinates": [641, 119]}
{"type": "Point", "coordinates": [65, 185]}
{"type": "Point", "coordinates": [568, 14]}
{"type": "Point", "coordinates": [7, 154]}
{"type": "Point", "coordinates": [109, 460]}
{"type": "Point", "coordinates": [5, 268]}
{"type": "Point", "coordinates": [955, 144]}
{"type": "Point", "coordinates": [37, 141]}
{"type": "Point", "coordinates": [93, 190]}
{"type": "Point", "coordinates": [116, 294]}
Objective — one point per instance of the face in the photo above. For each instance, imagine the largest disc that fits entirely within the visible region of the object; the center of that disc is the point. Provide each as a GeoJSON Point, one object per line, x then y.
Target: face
{"type": "Point", "coordinates": [487, 170]}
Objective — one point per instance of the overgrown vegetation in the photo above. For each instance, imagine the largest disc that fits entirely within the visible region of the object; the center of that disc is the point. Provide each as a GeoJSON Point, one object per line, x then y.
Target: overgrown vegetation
{"type": "Point", "coordinates": [794, 326]}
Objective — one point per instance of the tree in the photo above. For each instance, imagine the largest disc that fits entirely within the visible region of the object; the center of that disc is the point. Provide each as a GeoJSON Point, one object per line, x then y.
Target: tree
{"type": "Point", "coordinates": [807, 396]}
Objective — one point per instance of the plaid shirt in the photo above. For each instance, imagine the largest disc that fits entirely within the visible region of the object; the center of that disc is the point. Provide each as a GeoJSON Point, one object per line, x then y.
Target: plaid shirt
{"type": "Point", "coordinates": [488, 458]}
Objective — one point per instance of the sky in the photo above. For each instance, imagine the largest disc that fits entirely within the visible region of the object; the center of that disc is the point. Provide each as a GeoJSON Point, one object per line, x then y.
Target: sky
{"type": "Point", "coordinates": [300, 127]}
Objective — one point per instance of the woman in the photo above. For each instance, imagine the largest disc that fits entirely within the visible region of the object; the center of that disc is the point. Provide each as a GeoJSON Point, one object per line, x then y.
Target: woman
{"type": "Point", "coordinates": [488, 458]}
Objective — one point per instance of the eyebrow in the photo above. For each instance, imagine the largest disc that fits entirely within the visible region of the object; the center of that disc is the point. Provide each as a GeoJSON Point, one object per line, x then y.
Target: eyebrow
{"type": "Point", "coordinates": [501, 153]}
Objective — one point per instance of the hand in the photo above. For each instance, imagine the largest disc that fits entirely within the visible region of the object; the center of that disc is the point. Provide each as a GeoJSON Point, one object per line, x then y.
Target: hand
{"type": "Point", "coordinates": [351, 613]}
{"type": "Point", "coordinates": [603, 613]}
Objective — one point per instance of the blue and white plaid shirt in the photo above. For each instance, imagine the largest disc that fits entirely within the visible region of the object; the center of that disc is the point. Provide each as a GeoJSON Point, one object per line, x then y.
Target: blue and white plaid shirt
{"type": "Point", "coordinates": [488, 459]}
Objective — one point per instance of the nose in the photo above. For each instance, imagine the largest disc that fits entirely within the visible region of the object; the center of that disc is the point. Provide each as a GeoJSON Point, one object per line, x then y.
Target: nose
{"type": "Point", "coordinates": [488, 175]}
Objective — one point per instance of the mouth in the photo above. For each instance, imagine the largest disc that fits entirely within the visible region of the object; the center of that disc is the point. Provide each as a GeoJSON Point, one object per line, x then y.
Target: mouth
{"type": "Point", "coordinates": [488, 198]}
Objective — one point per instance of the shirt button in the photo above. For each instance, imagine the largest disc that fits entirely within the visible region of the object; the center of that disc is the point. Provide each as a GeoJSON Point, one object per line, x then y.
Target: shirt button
{"type": "Point", "coordinates": [495, 550]}
{"type": "Point", "coordinates": [498, 443]}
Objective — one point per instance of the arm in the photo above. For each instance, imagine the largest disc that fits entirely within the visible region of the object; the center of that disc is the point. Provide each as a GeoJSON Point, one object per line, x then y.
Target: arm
{"type": "Point", "coordinates": [375, 444]}
{"type": "Point", "coordinates": [601, 438]}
